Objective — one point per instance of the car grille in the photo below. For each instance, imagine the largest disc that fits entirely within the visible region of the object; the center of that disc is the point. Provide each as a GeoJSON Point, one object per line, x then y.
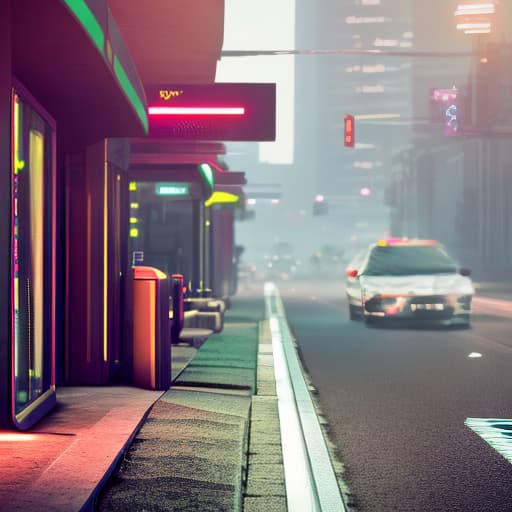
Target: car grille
{"type": "Point", "coordinates": [424, 307]}
{"type": "Point", "coordinates": [429, 299]}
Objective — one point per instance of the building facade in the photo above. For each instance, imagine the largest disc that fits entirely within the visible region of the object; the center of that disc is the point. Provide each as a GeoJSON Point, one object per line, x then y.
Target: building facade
{"type": "Point", "coordinates": [345, 77]}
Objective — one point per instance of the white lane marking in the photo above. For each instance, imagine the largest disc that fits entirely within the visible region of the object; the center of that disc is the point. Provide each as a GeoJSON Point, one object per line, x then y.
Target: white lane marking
{"type": "Point", "coordinates": [322, 483]}
{"type": "Point", "coordinates": [299, 494]}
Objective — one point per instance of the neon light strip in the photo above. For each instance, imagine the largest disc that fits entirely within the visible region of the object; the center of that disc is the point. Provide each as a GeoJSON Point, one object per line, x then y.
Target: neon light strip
{"type": "Point", "coordinates": [208, 174]}
{"type": "Point", "coordinates": [214, 111]}
{"type": "Point", "coordinates": [86, 17]}
{"type": "Point", "coordinates": [128, 88]}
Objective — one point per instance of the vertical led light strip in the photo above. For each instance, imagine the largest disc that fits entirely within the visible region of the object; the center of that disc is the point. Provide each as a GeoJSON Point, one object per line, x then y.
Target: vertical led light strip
{"type": "Point", "coordinates": [115, 353]}
{"type": "Point", "coordinates": [14, 234]}
{"type": "Point", "coordinates": [105, 255]}
{"type": "Point", "coordinates": [152, 330]}
{"type": "Point", "coordinates": [36, 186]}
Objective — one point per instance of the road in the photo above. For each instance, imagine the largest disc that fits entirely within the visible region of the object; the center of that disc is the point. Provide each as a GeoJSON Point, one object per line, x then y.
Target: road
{"type": "Point", "coordinates": [396, 402]}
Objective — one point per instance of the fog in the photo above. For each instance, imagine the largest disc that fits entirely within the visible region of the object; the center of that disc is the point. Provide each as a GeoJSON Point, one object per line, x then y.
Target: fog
{"type": "Point", "coordinates": [417, 168]}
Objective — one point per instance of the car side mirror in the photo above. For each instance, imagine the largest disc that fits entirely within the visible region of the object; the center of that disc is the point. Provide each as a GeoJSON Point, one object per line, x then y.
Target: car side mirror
{"type": "Point", "coordinates": [465, 272]}
{"type": "Point", "coordinates": [352, 272]}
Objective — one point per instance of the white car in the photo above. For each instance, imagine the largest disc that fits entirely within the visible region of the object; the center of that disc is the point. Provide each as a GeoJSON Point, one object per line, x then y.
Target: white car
{"type": "Point", "coordinates": [409, 280]}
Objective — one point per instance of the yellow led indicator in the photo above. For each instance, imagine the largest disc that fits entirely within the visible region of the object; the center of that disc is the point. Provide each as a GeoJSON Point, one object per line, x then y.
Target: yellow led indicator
{"type": "Point", "coordinates": [134, 233]}
{"type": "Point", "coordinates": [219, 197]}
{"type": "Point", "coordinates": [133, 220]}
{"type": "Point", "coordinates": [19, 166]}
{"type": "Point", "coordinates": [133, 185]}
{"type": "Point", "coordinates": [134, 206]}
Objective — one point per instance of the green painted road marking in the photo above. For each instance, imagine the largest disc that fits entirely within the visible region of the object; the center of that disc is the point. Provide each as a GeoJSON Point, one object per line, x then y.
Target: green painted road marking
{"type": "Point", "coordinates": [496, 432]}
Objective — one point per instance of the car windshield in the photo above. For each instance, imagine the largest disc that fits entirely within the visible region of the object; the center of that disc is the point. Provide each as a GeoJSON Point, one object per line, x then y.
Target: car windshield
{"type": "Point", "coordinates": [408, 260]}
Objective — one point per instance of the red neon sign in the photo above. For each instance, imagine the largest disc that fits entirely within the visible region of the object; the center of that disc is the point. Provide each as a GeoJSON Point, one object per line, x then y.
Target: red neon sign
{"type": "Point", "coordinates": [218, 111]}
{"type": "Point", "coordinates": [349, 131]}
{"type": "Point", "coordinates": [212, 111]}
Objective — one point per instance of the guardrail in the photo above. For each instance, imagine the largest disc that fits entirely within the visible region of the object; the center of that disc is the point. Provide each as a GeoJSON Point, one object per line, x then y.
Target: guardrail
{"type": "Point", "coordinates": [311, 483]}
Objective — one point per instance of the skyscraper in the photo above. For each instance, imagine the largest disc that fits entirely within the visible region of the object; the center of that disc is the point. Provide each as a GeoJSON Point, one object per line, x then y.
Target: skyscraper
{"type": "Point", "coordinates": [352, 72]}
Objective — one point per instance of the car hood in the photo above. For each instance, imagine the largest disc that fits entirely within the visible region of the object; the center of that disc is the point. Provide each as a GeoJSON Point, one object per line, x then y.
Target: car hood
{"type": "Point", "coordinates": [438, 284]}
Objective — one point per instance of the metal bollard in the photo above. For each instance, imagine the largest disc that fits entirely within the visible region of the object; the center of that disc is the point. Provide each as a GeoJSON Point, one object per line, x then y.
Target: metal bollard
{"type": "Point", "coordinates": [177, 307]}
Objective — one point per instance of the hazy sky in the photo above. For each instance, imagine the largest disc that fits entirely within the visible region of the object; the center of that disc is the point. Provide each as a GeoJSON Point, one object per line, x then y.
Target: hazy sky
{"type": "Point", "coordinates": [264, 25]}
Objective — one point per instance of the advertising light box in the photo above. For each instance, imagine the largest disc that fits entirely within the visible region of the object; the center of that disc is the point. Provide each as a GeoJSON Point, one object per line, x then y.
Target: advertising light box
{"type": "Point", "coordinates": [218, 111]}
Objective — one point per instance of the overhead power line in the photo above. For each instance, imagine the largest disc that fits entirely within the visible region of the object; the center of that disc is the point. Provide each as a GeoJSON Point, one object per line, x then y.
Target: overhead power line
{"type": "Point", "coordinates": [383, 53]}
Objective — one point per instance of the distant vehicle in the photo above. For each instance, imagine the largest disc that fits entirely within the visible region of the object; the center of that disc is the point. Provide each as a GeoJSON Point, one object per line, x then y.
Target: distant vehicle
{"type": "Point", "coordinates": [328, 260]}
{"type": "Point", "coordinates": [409, 280]}
{"type": "Point", "coordinates": [281, 263]}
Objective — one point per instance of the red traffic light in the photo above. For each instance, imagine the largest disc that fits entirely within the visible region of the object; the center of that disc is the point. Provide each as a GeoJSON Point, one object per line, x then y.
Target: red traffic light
{"type": "Point", "coordinates": [349, 131]}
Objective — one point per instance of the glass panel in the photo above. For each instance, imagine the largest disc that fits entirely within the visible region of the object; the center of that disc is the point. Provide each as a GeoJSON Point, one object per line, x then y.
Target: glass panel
{"type": "Point", "coordinates": [402, 261]}
{"type": "Point", "coordinates": [161, 229]}
{"type": "Point", "coordinates": [28, 253]}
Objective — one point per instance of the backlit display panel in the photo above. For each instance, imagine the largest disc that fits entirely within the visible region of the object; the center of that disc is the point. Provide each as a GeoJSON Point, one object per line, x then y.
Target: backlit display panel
{"type": "Point", "coordinates": [219, 111]}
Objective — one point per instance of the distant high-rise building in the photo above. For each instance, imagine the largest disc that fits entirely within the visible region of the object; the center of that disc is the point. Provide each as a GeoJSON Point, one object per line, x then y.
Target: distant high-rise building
{"type": "Point", "coordinates": [349, 76]}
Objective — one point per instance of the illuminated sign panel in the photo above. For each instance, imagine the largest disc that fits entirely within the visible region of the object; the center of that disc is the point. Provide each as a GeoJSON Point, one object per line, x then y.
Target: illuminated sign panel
{"type": "Point", "coordinates": [219, 111]}
{"type": "Point", "coordinates": [171, 189]}
{"type": "Point", "coordinates": [446, 107]}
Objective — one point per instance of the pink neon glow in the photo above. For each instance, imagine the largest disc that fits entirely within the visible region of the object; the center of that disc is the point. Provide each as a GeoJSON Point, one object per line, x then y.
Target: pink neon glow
{"type": "Point", "coordinates": [9, 437]}
{"type": "Point", "coordinates": [215, 111]}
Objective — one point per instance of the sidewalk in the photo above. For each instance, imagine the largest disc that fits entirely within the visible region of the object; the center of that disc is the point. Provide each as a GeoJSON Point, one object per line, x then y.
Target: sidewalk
{"type": "Point", "coordinates": [190, 455]}
{"type": "Point", "coordinates": [191, 452]}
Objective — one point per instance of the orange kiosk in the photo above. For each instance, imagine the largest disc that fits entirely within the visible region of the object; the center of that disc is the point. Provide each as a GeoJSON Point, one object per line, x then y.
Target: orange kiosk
{"type": "Point", "coordinates": [151, 333]}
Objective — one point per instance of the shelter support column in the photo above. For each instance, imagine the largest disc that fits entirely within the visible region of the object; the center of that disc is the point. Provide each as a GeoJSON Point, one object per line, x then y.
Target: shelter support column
{"type": "Point", "coordinates": [5, 211]}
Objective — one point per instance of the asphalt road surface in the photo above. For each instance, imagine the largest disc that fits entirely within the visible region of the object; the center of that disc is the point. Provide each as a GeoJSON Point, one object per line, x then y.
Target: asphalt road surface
{"type": "Point", "coordinates": [396, 401]}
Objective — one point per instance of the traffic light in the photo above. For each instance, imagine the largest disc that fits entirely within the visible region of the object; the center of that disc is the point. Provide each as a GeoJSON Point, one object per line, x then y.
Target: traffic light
{"type": "Point", "coordinates": [349, 131]}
